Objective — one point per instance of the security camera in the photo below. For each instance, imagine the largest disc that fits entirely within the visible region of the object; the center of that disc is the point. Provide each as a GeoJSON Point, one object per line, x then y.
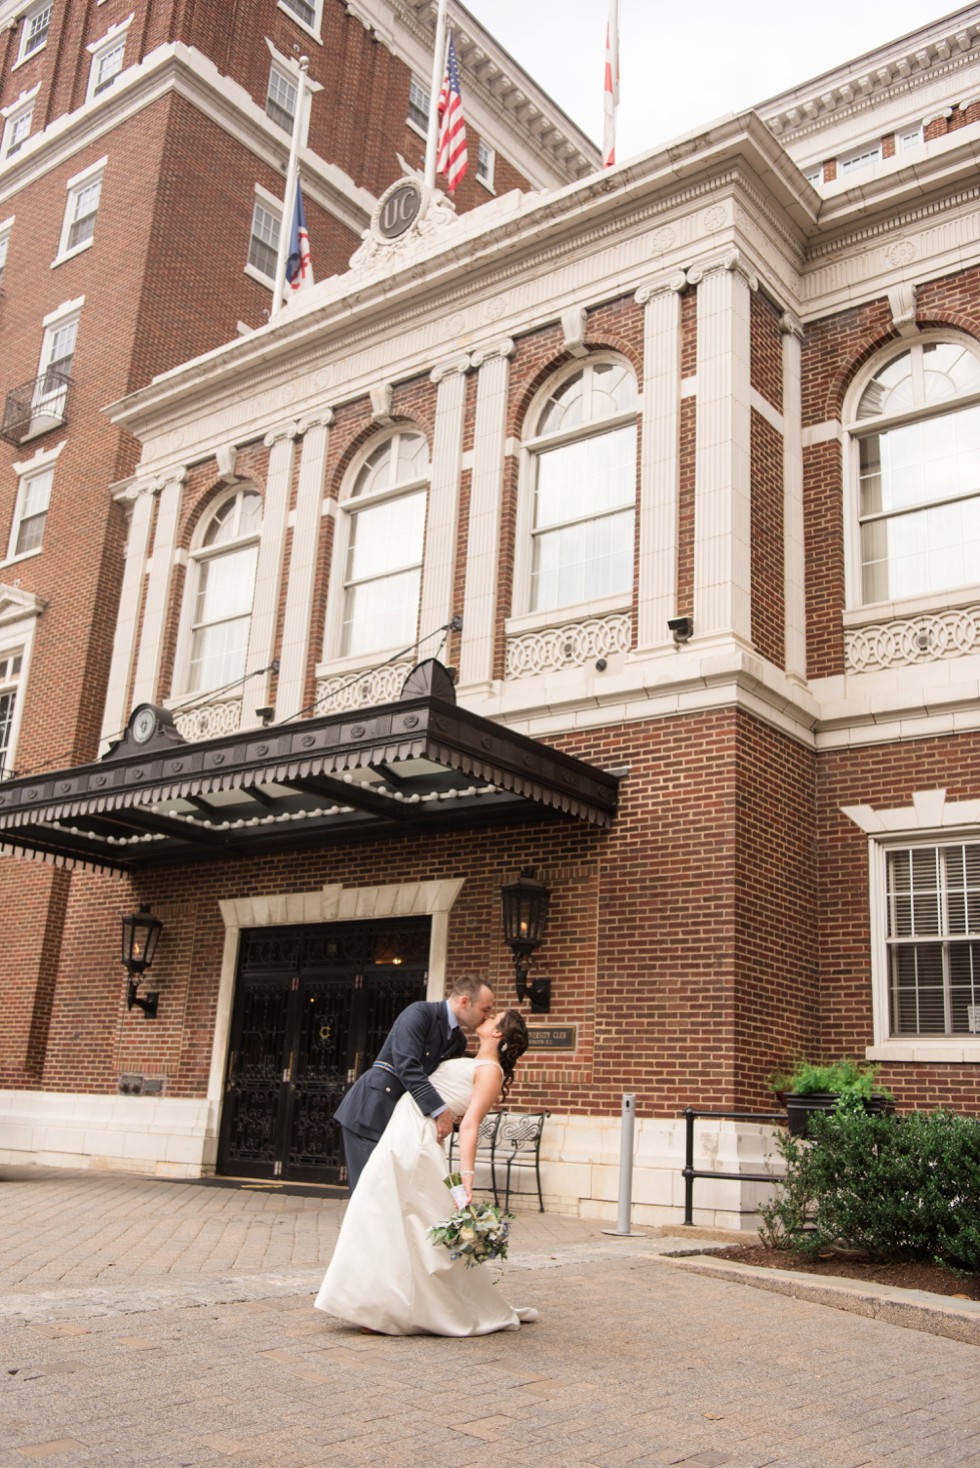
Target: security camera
{"type": "Point", "coordinates": [682, 628]}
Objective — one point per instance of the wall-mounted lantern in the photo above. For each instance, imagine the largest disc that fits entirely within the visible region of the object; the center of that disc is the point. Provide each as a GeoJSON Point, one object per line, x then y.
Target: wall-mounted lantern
{"type": "Point", "coordinates": [525, 912]}
{"type": "Point", "coordinates": [140, 935]}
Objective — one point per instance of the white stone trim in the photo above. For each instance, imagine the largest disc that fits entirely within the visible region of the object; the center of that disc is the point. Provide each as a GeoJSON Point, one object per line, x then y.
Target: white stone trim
{"type": "Point", "coordinates": [115, 714]}
{"type": "Point", "coordinates": [442, 516]}
{"type": "Point", "coordinates": [268, 573]}
{"type": "Point", "coordinates": [158, 590]}
{"type": "Point", "coordinates": [817, 433]}
{"type": "Point", "coordinates": [765, 410]}
{"type": "Point", "coordinates": [723, 497]}
{"type": "Point", "coordinates": [659, 459]}
{"type": "Point", "coordinates": [295, 650]}
{"type": "Point", "coordinates": [794, 547]}
{"type": "Point", "coordinates": [163, 1135]}
{"type": "Point", "coordinates": [330, 904]}
{"type": "Point", "coordinates": [19, 612]}
{"type": "Point", "coordinates": [486, 492]}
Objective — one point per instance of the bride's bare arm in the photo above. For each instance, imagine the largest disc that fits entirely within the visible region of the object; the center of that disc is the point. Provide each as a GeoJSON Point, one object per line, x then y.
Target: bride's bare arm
{"type": "Point", "coordinates": [486, 1089]}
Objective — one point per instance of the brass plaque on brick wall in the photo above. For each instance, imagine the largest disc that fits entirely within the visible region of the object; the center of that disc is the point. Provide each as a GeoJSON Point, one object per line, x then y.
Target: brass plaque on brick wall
{"type": "Point", "coordinates": [552, 1037]}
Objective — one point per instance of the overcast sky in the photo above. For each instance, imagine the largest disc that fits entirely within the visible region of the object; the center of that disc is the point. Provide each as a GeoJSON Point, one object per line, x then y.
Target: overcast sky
{"type": "Point", "coordinates": [684, 65]}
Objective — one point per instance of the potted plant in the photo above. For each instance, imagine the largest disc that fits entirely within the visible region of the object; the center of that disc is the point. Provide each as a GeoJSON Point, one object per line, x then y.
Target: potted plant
{"type": "Point", "coordinates": [840, 1085]}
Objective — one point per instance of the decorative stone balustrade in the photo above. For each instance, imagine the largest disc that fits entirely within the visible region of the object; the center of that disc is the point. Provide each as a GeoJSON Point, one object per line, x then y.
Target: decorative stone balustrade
{"type": "Point", "coordinates": [375, 685]}
{"type": "Point", "coordinates": [909, 640]}
{"type": "Point", "coordinates": [570, 646]}
{"type": "Point", "coordinates": [209, 720]}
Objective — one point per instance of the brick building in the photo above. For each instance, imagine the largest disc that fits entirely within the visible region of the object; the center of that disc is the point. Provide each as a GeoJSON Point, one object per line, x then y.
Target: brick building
{"type": "Point", "coordinates": [142, 152]}
{"type": "Point", "coordinates": [680, 446]}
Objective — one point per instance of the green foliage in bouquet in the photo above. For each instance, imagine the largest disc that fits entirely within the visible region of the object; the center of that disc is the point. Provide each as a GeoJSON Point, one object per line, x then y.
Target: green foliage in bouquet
{"type": "Point", "coordinates": [476, 1233]}
{"type": "Point", "coordinates": [897, 1189]}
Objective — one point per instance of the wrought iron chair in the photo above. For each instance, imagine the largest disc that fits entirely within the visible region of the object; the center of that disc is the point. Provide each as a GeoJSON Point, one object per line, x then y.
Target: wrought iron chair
{"type": "Point", "coordinates": [485, 1145]}
{"type": "Point", "coordinates": [517, 1144]}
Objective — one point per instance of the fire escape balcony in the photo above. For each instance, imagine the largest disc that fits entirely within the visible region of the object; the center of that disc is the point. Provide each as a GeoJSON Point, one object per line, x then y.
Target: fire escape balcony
{"type": "Point", "coordinates": [36, 407]}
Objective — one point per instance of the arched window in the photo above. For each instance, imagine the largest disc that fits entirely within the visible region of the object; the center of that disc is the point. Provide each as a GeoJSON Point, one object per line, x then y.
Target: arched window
{"type": "Point", "coordinates": [382, 548]}
{"type": "Point", "coordinates": [917, 453]}
{"type": "Point", "coordinates": [581, 473]}
{"type": "Point", "coordinates": [221, 584]}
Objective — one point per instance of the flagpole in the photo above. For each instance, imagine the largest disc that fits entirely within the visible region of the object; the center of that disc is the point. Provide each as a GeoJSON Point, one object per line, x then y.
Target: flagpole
{"type": "Point", "coordinates": [438, 70]}
{"type": "Point", "coordinates": [289, 195]}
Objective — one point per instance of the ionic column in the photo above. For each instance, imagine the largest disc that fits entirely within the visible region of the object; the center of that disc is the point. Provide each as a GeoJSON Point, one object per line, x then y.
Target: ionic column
{"type": "Point", "coordinates": [140, 496]}
{"type": "Point", "coordinates": [145, 684]}
{"type": "Point", "coordinates": [722, 476]}
{"type": "Point", "coordinates": [268, 571]}
{"type": "Point", "coordinates": [660, 459]}
{"type": "Point", "coordinates": [486, 495]}
{"type": "Point", "coordinates": [793, 536]}
{"type": "Point", "coordinates": [295, 652]}
{"type": "Point", "coordinates": [442, 520]}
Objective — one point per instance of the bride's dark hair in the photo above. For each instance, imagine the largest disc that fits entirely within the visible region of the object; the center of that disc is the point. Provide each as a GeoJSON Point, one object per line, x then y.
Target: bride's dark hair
{"type": "Point", "coordinates": [513, 1043]}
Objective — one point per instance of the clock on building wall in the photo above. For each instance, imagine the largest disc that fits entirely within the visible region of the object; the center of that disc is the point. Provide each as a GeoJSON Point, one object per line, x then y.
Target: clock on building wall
{"type": "Point", "coordinates": [144, 724]}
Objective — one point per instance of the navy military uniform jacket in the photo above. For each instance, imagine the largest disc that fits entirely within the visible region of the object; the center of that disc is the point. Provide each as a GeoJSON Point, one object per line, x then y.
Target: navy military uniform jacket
{"type": "Point", "coordinates": [418, 1041]}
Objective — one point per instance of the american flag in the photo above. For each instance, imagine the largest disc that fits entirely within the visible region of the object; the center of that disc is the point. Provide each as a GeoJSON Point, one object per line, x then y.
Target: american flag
{"type": "Point", "coordinates": [452, 160]}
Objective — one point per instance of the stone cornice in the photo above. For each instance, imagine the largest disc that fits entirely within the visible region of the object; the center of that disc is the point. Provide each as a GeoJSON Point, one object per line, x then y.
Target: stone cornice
{"type": "Point", "coordinates": [180, 69]}
{"type": "Point", "coordinates": [463, 262]}
{"type": "Point", "coordinates": [933, 52]}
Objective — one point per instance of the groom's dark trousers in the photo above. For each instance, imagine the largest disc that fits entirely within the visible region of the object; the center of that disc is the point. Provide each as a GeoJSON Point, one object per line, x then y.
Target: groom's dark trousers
{"type": "Point", "coordinates": [418, 1041]}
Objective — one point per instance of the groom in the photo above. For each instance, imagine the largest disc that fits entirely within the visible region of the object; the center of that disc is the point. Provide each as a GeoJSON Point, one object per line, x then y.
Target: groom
{"type": "Point", "coordinates": [423, 1035]}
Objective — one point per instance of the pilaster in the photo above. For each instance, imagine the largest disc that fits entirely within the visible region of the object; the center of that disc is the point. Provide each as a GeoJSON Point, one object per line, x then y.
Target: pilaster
{"type": "Point", "coordinates": [268, 571]}
{"type": "Point", "coordinates": [793, 535]}
{"type": "Point", "coordinates": [486, 495]}
{"type": "Point", "coordinates": [295, 651]}
{"type": "Point", "coordinates": [170, 490]}
{"type": "Point", "coordinates": [660, 458]}
{"type": "Point", "coordinates": [722, 485]}
{"type": "Point", "coordinates": [443, 517]}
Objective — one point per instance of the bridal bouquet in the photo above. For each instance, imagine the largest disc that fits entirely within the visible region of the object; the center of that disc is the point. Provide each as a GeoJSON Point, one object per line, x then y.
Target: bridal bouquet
{"type": "Point", "coordinates": [476, 1232]}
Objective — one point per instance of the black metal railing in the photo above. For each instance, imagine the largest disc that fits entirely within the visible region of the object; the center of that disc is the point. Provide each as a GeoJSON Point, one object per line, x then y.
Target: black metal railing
{"type": "Point", "coordinates": [690, 1173]}
{"type": "Point", "coordinates": [36, 406]}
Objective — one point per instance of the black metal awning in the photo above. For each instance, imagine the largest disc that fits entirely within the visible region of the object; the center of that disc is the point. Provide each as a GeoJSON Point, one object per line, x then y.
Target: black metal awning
{"type": "Point", "coordinates": [420, 763]}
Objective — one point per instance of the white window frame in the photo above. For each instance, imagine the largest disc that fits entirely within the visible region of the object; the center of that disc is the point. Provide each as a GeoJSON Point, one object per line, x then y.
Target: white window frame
{"type": "Point", "coordinates": [859, 158]}
{"type": "Point", "coordinates": [114, 38]}
{"type": "Point", "coordinates": [522, 618]}
{"type": "Point", "coordinates": [46, 403]}
{"type": "Point", "coordinates": [6, 229]}
{"type": "Point", "coordinates": [199, 553]}
{"type": "Point", "coordinates": [20, 111]}
{"type": "Point", "coordinates": [77, 188]}
{"type": "Point", "coordinates": [855, 429]}
{"type": "Point", "coordinates": [42, 462]}
{"type": "Point", "coordinates": [909, 137]}
{"type": "Point", "coordinates": [312, 28]}
{"type": "Point", "coordinates": [423, 90]}
{"type": "Point", "coordinates": [814, 176]}
{"type": "Point", "coordinates": [263, 199]}
{"type": "Point", "coordinates": [348, 506]}
{"type": "Point", "coordinates": [486, 158]}
{"type": "Point", "coordinates": [26, 33]}
{"type": "Point", "coordinates": [929, 821]}
{"type": "Point", "coordinates": [19, 612]}
{"type": "Point", "coordinates": [283, 75]}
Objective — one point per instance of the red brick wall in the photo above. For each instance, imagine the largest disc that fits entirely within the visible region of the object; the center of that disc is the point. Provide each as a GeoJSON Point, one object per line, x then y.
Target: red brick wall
{"type": "Point", "coordinates": [768, 565]}
{"type": "Point", "coordinates": [885, 777]}
{"type": "Point", "coordinates": [659, 947]}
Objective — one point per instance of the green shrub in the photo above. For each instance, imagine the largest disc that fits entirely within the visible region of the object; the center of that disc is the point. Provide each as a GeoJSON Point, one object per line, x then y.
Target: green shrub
{"type": "Point", "coordinates": [899, 1188]}
{"type": "Point", "coordinates": [847, 1078]}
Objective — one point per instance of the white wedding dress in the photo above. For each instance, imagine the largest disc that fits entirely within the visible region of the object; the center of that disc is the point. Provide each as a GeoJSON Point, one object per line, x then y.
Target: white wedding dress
{"type": "Point", "coordinates": [386, 1273]}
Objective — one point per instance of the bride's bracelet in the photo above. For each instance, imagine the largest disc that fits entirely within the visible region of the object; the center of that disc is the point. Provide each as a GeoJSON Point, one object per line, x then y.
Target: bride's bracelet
{"type": "Point", "coordinates": [469, 1173]}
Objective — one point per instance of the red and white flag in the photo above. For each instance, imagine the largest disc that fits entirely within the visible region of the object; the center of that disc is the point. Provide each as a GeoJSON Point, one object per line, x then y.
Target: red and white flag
{"type": "Point", "coordinates": [610, 100]}
{"type": "Point", "coordinates": [452, 160]}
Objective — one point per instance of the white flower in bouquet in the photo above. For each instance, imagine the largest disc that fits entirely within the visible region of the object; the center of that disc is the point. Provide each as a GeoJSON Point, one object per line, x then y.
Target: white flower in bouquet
{"type": "Point", "coordinates": [475, 1233]}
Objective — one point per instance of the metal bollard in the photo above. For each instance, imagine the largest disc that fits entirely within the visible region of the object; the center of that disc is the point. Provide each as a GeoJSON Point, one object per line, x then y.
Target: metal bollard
{"type": "Point", "coordinates": [622, 1229]}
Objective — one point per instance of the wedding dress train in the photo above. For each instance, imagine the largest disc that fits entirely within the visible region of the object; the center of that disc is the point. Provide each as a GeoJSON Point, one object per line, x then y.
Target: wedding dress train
{"type": "Point", "coordinates": [386, 1273]}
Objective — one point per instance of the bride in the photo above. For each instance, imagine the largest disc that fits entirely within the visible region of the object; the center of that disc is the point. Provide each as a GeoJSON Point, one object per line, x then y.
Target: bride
{"type": "Point", "coordinates": [386, 1275]}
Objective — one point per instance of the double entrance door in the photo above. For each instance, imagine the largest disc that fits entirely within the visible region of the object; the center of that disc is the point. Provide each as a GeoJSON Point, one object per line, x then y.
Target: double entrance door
{"type": "Point", "coordinates": [312, 1008]}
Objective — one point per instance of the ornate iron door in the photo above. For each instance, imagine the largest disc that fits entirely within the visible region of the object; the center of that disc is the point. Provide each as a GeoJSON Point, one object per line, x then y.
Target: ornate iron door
{"type": "Point", "coordinates": [312, 1007]}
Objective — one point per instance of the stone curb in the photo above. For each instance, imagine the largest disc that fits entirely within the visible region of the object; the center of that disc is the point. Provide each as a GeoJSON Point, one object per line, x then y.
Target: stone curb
{"type": "Point", "coordinates": [909, 1309]}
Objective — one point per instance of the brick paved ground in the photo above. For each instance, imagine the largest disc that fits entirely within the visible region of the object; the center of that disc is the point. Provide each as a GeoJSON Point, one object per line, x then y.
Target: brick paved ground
{"type": "Point", "coordinates": [152, 1324]}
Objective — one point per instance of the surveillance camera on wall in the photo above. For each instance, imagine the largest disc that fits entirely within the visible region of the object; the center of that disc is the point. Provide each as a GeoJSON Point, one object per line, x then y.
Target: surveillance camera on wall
{"type": "Point", "coordinates": [682, 628]}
